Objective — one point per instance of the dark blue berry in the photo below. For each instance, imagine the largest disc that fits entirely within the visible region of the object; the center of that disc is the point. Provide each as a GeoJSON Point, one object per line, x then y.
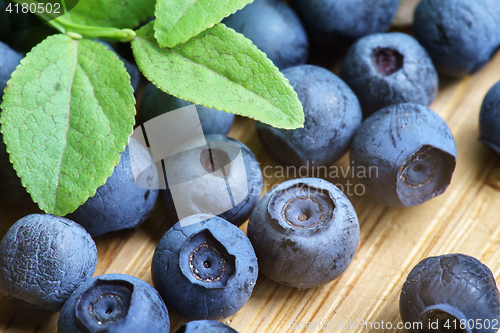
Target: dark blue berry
{"type": "Point", "coordinates": [204, 268]}
{"type": "Point", "coordinates": [449, 291]}
{"type": "Point", "coordinates": [205, 326]}
{"type": "Point", "coordinates": [406, 154]}
{"type": "Point", "coordinates": [489, 119]}
{"type": "Point", "coordinates": [305, 233]}
{"type": "Point", "coordinates": [275, 29]}
{"type": "Point", "coordinates": [155, 103]}
{"type": "Point", "coordinates": [43, 259]}
{"type": "Point", "coordinates": [114, 303]}
{"type": "Point", "coordinates": [460, 35]}
{"type": "Point", "coordinates": [123, 202]}
{"type": "Point", "coordinates": [389, 68]}
{"type": "Point", "coordinates": [332, 116]}
{"type": "Point", "coordinates": [339, 23]}
{"type": "Point", "coordinates": [229, 180]}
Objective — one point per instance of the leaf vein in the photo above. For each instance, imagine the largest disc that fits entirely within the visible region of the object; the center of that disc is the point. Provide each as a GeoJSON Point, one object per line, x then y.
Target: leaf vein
{"type": "Point", "coordinates": [208, 69]}
{"type": "Point", "coordinates": [75, 64]}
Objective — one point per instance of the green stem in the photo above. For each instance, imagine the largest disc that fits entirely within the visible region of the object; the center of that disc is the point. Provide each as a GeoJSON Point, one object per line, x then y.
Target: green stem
{"type": "Point", "coordinates": [74, 30]}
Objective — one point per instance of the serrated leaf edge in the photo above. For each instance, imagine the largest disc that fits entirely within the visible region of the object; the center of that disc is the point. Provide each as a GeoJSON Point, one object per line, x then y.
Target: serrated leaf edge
{"type": "Point", "coordinates": [171, 45]}
{"type": "Point", "coordinates": [12, 160]}
{"type": "Point", "coordinates": [15, 162]}
{"type": "Point", "coordinates": [279, 74]}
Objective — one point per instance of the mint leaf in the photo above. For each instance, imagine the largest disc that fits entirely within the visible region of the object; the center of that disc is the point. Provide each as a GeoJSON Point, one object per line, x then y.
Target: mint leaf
{"type": "Point", "coordinates": [179, 20]}
{"type": "Point", "coordinates": [111, 13]}
{"type": "Point", "coordinates": [68, 112]}
{"type": "Point", "coordinates": [220, 69]}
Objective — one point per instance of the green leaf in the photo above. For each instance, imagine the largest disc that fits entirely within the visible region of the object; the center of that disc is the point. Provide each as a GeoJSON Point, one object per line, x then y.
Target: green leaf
{"type": "Point", "coordinates": [70, 21]}
{"type": "Point", "coordinates": [111, 13]}
{"type": "Point", "coordinates": [179, 20]}
{"type": "Point", "coordinates": [68, 112]}
{"type": "Point", "coordinates": [220, 69]}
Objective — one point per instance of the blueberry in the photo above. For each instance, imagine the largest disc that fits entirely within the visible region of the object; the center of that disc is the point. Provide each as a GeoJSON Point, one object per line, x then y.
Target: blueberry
{"type": "Point", "coordinates": [155, 102]}
{"type": "Point", "coordinates": [454, 289]}
{"type": "Point", "coordinates": [460, 35]}
{"type": "Point", "coordinates": [332, 115]}
{"type": "Point", "coordinates": [114, 303]}
{"type": "Point", "coordinates": [204, 268]}
{"type": "Point", "coordinates": [389, 68]}
{"type": "Point", "coordinates": [43, 259]}
{"type": "Point", "coordinates": [405, 154]}
{"type": "Point", "coordinates": [132, 69]}
{"type": "Point", "coordinates": [13, 26]}
{"type": "Point", "coordinates": [122, 202]}
{"type": "Point", "coordinates": [305, 233]}
{"type": "Point", "coordinates": [489, 119]}
{"type": "Point", "coordinates": [338, 23]}
{"type": "Point", "coordinates": [205, 326]}
{"type": "Point", "coordinates": [229, 180]}
{"type": "Point", "coordinates": [275, 29]}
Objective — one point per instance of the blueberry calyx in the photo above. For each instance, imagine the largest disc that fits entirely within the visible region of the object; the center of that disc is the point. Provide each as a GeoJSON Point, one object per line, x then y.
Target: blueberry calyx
{"type": "Point", "coordinates": [106, 308]}
{"type": "Point", "coordinates": [425, 175]}
{"type": "Point", "coordinates": [105, 303]}
{"type": "Point", "coordinates": [387, 61]}
{"type": "Point", "coordinates": [443, 318]}
{"type": "Point", "coordinates": [419, 170]}
{"type": "Point", "coordinates": [213, 262]}
{"type": "Point", "coordinates": [204, 260]}
{"type": "Point", "coordinates": [302, 206]}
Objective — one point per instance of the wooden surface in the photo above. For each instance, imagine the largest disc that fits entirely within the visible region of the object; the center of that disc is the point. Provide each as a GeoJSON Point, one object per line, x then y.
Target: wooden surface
{"type": "Point", "coordinates": [465, 219]}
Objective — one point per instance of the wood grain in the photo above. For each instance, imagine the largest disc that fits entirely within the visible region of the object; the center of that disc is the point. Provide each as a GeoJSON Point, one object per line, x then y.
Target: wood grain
{"type": "Point", "coordinates": [465, 219]}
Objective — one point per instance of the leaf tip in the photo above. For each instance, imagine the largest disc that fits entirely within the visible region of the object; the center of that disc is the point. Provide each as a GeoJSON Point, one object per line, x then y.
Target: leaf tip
{"type": "Point", "coordinates": [128, 35]}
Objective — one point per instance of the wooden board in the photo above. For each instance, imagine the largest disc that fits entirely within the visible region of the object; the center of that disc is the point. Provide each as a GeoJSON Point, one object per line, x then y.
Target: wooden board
{"type": "Point", "coordinates": [465, 219]}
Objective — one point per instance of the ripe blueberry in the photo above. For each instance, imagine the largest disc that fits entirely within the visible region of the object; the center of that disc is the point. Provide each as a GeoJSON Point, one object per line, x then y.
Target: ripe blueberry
{"type": "Point", "coordinates": [122, 202]}
{"type": "Point", "coordinates": [275, 29]}
{"type": "Point", "coordinates": [453, 293]}
{"type": "Point", "coordinates": [332, 116]}
{"type": "Point", "coordinates": [43, 259]}
{"type": "Point", "coordinates": [228, 180]}
{"type": "Point", "coordinates": [407, 153]}
{"type": "Point", "coordinates": [114, 303]}
{"type": "Point", "coordinates": [389, 68]}
{"type": "Point", "coordinates": [305, 233]}
{"type": "Point", "coordinates": [460, 35]}
{"type": "Point", "coordinates": [338, 23]}
{"type": "Point", "coordinates": [204, 268]}
{"type": "Point", "coordinates": [489, 119]}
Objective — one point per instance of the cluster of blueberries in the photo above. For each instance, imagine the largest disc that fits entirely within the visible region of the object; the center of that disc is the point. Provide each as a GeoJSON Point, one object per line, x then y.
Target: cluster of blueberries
{"type": "Point", "coordinates": [304, 232]}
